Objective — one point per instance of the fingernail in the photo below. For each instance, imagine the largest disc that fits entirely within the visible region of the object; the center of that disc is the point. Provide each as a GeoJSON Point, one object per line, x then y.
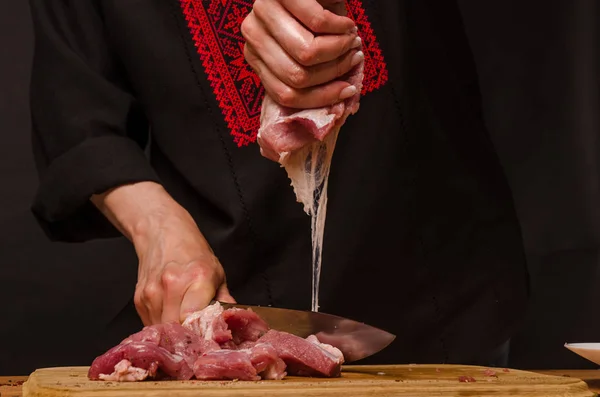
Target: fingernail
{"type": "Point", "coordinates": [357, 58]}
{"type": "Point", "coordinates": [354, 29]}
{"type": "Point", "coordinates": [357, 42]}
{"type": "Point", "coordinates": [348, 92]}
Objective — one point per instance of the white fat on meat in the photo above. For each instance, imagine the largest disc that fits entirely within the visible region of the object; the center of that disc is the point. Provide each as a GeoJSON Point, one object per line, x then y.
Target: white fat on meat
{"type": "Point", "coordinates": [201, 322]}
{"type": "Point", "coordinates": [125, 372]}
{"type": "Point", "coordinates": [333, 352]}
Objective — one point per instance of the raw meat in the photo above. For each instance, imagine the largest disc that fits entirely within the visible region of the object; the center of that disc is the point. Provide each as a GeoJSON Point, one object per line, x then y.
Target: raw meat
{"type": "Point", "coordinates": [167, 348]}
{"type": "Point", "coordinates": [334, 352]}
{"type": "Point", "coordinates": [303, 142]}
{"type": "Point", "coordinates": [183, 342]}
{"type": "Point", "coordinates": [126, 372]}
{"type": "Point", "coordinates": [209, 324]}
{"type": "Point", "coordinates": [245, 325]}
{"type": "Point", "coordinates": [305, 357]}
{"type": "Point", "coordinates": [252, 352]}
{"type": "Point", "coordinates": [147, 334]}
{"type": "Point", "coordinates": [266, 361]}
{"type": "Point", "coordinates": [490, 372]}
{"type": "Point", "coordinates": [140, 356]}
{"type": "Point", "coordinates": [260, 362]}
{"type": "Point", "coordinates": [229, 327]}
{"type": "Point", "coordinates": [225, 364]}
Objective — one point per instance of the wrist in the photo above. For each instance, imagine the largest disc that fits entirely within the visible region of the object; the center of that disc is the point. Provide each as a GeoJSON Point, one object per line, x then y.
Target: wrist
{"type": "Point", "coordinates": [138, 210]}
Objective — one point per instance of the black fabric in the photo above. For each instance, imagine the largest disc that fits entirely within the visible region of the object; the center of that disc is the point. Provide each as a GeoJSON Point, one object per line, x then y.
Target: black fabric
{"type": "Point", "coordinates": [88, 130]}
{"type": "Point", "coordinates": [421, 235]}
{"type": "Point", "coordinates": [539, 68]}
{"type": "Point", "coordinates": [94, 166]}
{"type": "Point", "coordinates": [541, 77]}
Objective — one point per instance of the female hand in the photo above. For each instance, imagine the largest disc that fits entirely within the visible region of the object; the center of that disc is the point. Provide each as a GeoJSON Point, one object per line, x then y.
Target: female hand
{"type": "Point", "coordinates": [299, 48]}
{"type": "Point", "coordinates": [178, 272]}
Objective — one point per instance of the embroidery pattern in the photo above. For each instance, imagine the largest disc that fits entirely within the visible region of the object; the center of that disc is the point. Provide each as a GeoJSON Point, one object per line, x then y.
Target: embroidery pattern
{"type": "Point", "coordinates": [215, 29]}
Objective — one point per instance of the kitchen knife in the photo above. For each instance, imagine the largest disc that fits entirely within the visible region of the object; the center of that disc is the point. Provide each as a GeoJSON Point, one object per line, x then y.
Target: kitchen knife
{"type": "Point", "coordinates": [356, 340]}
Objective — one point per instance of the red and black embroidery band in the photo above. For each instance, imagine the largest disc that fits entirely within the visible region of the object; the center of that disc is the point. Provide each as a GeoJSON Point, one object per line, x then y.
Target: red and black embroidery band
{"type": "Point", "coordinates": [215, 29]}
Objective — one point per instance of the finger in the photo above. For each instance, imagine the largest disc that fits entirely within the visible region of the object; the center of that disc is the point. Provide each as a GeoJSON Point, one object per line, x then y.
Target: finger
{"type": "Point", "coordinates": [302, 45]}
{"type": "Point", "coordinates": [173, 288]}
{"type": "Point", "coordinates": [197, 296]}
{"type": "Point", "coordinates": [152, 300]}
{"type": "Point", "coordinates": [223, 294]}
{"type": "Point", "coordinates": [295, 75]}
{"type": "Point", "coordinates": [140, 307]}
{"type": "Point", "coordinates": [318, 19]}
{"type": "Point", "coordinates": [308, 98]}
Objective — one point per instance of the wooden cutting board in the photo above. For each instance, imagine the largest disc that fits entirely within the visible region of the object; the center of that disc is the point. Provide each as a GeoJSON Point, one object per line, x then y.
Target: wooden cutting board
{"type": "Point", "coordinates": [384, 381]}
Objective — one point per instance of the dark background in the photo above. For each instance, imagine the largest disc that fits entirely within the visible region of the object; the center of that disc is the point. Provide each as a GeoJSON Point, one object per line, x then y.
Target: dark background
{"type": "Point", "coordinates": [538, 68]}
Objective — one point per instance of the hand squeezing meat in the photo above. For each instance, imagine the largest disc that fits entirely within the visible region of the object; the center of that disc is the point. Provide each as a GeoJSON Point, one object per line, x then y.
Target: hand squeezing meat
{"type": "Point", "coordinates": [303, 140]}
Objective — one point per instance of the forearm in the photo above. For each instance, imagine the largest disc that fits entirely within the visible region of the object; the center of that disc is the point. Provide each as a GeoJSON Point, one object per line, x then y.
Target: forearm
{"type": "Point", "coordinates": [137, 209]}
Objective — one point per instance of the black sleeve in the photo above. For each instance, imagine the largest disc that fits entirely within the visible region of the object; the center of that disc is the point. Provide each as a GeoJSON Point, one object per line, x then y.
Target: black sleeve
{"type": "Point", "coordinates": [89, 132]}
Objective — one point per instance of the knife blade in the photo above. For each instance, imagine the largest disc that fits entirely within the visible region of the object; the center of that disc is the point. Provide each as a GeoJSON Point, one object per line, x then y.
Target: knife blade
{"type": "Point", "coordinates": [356, 340]}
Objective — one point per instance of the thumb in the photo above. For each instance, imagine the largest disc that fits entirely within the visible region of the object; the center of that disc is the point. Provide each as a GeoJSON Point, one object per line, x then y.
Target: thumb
{"type": "Point", "coordinates": [196, 297]}
{"type": "Point", "coordinates": [223, 294]}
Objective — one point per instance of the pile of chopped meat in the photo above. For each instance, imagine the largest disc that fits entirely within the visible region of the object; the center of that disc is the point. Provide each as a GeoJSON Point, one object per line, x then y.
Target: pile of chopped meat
{"type": "Point", "coordinates": [216, 344]}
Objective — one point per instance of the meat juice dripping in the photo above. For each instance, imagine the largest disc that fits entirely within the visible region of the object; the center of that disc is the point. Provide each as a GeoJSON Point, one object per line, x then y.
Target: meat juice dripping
{"type": "Point", "coordinates": [308, 169]}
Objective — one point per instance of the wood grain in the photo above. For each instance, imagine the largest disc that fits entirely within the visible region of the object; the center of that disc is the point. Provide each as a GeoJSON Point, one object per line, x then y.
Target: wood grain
{"type": "Point", "coordinates": [396, 380]}
{"type": "Point", "coordinates": [10, 386]}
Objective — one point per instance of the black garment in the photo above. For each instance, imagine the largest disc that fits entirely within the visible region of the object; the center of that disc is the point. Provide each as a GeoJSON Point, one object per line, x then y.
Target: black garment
{"type": "Point", "coordinates": [421, 235]}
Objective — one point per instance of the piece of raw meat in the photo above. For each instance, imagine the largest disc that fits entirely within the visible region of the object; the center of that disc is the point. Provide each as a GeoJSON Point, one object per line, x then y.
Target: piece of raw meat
{"type": "Point", "coordinates": [209, 324]}
{"type": "Point", "coordinates": [267, 363]}
{"type": "Point", "coordinates": [185, 343]}
{"type": "Point", "coordinates": [305, 357]}
{"type": "Point", "coordinates": [334, 352]}
{"type": "Point", "coordinates": [229, 327]}
{"type": "Point", "coordinates": [245, 325]}
{"type": "Point", "coordinates": [139, 356]}
{"type": "Point", "coordinates": [259, 362]}
{"type": "Point", "coordinates": [167, 348]}
{"type": "Point", "coordinates": [303, 141]}
{"type": "Point", "coordinates": [149, 334]}
{"type": "Point", "coordinates": [225, 364]}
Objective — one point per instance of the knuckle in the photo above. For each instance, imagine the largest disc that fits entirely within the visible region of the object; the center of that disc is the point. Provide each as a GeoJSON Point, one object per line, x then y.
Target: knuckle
{"type": "Point", "coordinates": [246, 27]}
{"type": "Point", "coordinates": [169, 277]}
{"type": "Point", "coordinates": [307, 54]}
{"type": "Point", "coordinates": [200, 271]}
{"type": "Point", "coordinates": [137, 299]}
{"type": "Point", "coordinates": [298, 77]}
{"type": "Point", "coordinates": [150, 292]}
{"type": "Point", "coordinates": [285, 96]}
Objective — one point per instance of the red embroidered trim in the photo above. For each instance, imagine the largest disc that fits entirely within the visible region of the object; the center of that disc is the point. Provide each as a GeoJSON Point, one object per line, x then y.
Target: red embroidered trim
{"type": "Point", "coordinates": [215, 29]}
{"type": "Point", "coordinates": [376, 73]}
